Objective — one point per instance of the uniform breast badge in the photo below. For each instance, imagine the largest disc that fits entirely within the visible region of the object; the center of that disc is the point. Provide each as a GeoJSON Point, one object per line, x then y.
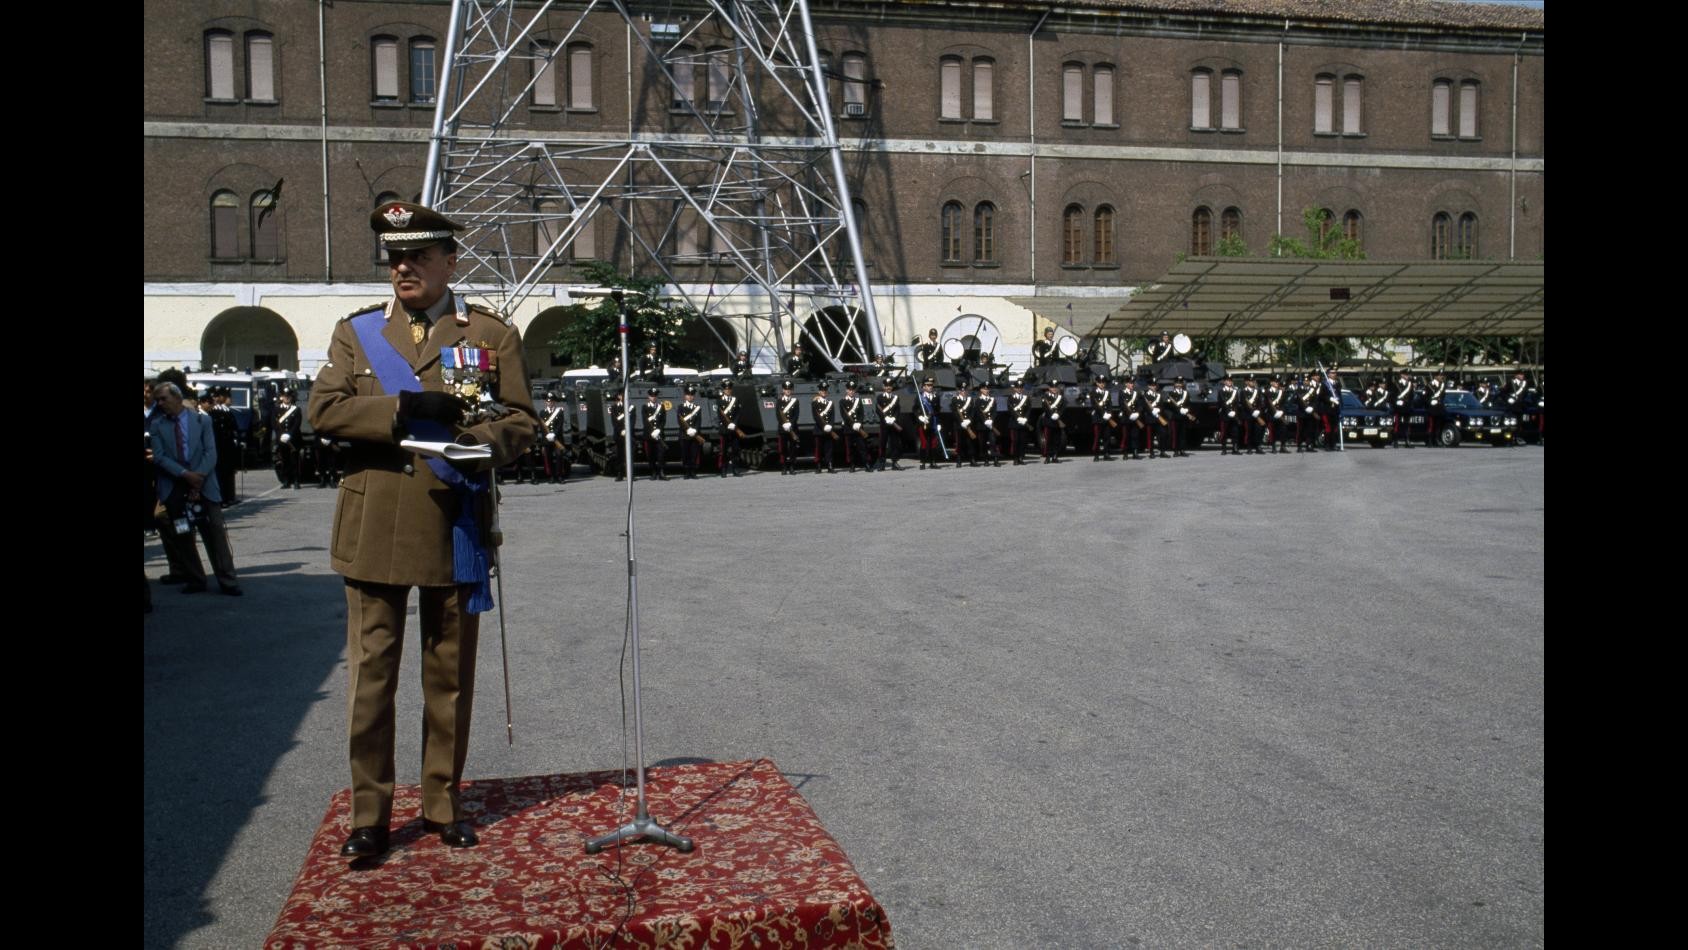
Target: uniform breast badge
{"type": "Point", "coordinates": [471, 373]}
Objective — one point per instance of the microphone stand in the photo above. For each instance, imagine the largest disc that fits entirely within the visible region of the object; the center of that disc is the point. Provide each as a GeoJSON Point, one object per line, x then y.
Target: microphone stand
{"type": "Point", "coordinates": [642, 827]}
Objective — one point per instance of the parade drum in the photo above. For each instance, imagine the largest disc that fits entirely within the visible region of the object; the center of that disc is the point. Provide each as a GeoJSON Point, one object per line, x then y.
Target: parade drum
{"type": "Point", "coordinates": [954, 349]}
{"type": "Point", "coordinates": [1181, 344]}
{"type": "Point", "coordinates": [1067, 346]}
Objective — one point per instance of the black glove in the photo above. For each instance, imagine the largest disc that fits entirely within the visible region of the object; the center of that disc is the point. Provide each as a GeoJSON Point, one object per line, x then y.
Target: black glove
{"type": "Point", "coordinates": [435, 407]}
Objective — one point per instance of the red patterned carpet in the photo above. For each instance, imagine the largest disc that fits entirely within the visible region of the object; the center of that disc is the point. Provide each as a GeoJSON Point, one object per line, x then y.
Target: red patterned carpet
{"type": "Point", "coordinates": [764, 873]}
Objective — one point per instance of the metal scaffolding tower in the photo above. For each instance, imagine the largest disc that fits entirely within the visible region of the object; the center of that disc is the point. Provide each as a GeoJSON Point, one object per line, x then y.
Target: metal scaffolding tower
{"type": "Point", "coordinates": [726, 182]}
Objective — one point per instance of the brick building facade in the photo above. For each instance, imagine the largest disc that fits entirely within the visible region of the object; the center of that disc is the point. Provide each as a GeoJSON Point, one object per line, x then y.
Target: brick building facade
{"type": "Point", "coordinates": [998, 150]}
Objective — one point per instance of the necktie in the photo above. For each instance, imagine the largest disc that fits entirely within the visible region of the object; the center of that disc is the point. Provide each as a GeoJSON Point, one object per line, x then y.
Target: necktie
{"type": "Point", "coordinates": [181, 441]}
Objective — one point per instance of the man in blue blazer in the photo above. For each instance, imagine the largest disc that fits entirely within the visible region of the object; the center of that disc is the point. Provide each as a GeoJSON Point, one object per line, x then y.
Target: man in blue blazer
{"type": "Point", "coordinates": [185, 451]}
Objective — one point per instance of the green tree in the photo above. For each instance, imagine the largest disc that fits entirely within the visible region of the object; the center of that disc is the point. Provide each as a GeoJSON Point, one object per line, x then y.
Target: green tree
{"type": "Point", "coordinates": [1323, 240]}
{"type": "Point", "coordinates": [591, 335]}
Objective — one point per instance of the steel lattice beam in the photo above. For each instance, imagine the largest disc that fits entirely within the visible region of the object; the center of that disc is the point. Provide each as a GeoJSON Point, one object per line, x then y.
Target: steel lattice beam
{"type": "Point", "coordinates": [699, 194]}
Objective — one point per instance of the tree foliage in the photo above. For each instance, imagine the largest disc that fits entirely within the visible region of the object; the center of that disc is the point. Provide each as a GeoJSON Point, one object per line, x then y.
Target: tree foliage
{"type": "Point", "coordinates": [1323, 240]}
{"type": "Point", "coordinates": [590, 334]}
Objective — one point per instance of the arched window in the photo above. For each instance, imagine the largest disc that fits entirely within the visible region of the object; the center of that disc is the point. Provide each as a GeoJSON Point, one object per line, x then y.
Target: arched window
{"type": "Point", "coordinates": [1231, 223]}
{"type": "Point", "coordinates": [1104, 235]}
{"type": "Point", "coordinates": [692, 239]}
{"type": "Point", "coordinates": [1103, 77]}
{"type": "Point", "coordinates": [266, 227]}
{"type": "Point", "coordinates": [983, 99]}
{"type": "Point", "coordinates": [1441, 236]}
{"type": "Point", "coordinates": [1072, 93]}
{"type": "Point", "coordinates": [1468, 109]}
{"type": "Point", "coordinates": [219, 64]}
{"type": "Point", "coordinates": [855, 84]}
{"type": "Point", "coordinates": [384, 68]}
{"type": "Point", "coordinates": [951, 249]}
{"type": "Point", "coordinates": [260, 67]}
{"type": "Point", "coordinates": [225, 226]}
{"type": "Point", "coordinates": [422, 76]}
{"type": "Point", "coordinates": [1072, 235]}
{"type": "Point", "coordinates": [1441, 107]}
{"type": "Point", "coordinates": [547, 229]}
{"type": "Point", "coordinates": [683, 68]}
{"type": "Point", "coordinates": [1231, 100]}
{"type": "Point", "coordinates": [949, 87]}
{"type": "Point", "coordinates": [1324, 104]}
{"type": "Point", "coordinates": [1351, 226]}
{"type": "Point", "coordinates": [1201, 233]}
{"type": "Point", "coordinates": [1465, 239]}
{"type": "Point", "coordinates": [580, 76]}
{"type": "Point", "coordinates": [984, 233]}
{"type": "Point", "coordinates": [545, 78]}
{"type": "Point", "coordinates": [720, 77]}
{"type": "Point", "coordinates": [1351, 96]}
{"type": "Point", "coordinates": [1327, 221]}
{"type": "Point", "coordinates": [1201, 99]}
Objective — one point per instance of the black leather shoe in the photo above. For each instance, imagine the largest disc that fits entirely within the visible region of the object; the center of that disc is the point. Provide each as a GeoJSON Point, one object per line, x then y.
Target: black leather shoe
{"type": "Point", "coordinates": [368, 842]}
{"type": "Point", "coordinates": [233, 590]}
{"type": "Point", "coordinates": [193, 587]}
{"type": "Point", "coordinates": [456, 834]}
{"type": "Point", "coordinates": [173, 579]}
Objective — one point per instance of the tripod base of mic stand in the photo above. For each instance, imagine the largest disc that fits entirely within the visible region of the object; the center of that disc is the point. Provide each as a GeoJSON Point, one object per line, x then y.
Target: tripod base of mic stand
{"type": "Point", "coordinates": [641, 829]}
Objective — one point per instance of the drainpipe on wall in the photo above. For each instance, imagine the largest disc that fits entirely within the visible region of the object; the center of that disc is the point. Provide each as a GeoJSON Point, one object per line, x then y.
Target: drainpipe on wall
{"type": "Point", "coordinates": [322, 96]}
{"type": "Point", "coordinates": [1031, 134]}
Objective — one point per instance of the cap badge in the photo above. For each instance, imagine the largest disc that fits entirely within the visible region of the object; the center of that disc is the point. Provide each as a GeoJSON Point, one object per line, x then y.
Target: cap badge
{"type": "Point", "coordinates": [398, 217]}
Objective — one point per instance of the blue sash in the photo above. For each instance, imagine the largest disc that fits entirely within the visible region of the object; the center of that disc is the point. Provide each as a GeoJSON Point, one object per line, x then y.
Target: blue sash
{"type": "Point", "coordinates": [470, 561]}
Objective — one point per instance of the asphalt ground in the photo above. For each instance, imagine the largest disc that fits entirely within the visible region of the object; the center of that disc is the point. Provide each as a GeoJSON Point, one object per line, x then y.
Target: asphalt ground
{"type": "Point", "coordinates": [1291, 701]}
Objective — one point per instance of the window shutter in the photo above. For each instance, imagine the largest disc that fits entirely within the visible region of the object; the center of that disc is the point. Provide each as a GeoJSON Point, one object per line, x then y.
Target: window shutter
{"type": "Point", "coordinates": [219, 52]}
{"type": "Point", "coordinates": [1104, 111]}
{"type": "Point", "coordinates": [1439, 109]}
{"type": "Point", "coordinates": [950, 76]}
{"type": "Point", "coordinates": [386, 69]}
{"type": "Point", "coordinates": [1072, 94]}
{"type": "Point", "coordinates": [1230, 99]}
{"type": "Point", "coordinates": [1351, 106]}
{"type": "Point", "coordinates": [580, 77]}
{"type": "Point", "coordinates": [1322, 88]}
{"type": "Point", "coordinates": [260, 68]}
{"type": "Point", "coordinates": [1468, 110]}
{"type": "Point", "coordinates": [1200, 102]}
{"type": "Point", "coordinates": [982, 90]}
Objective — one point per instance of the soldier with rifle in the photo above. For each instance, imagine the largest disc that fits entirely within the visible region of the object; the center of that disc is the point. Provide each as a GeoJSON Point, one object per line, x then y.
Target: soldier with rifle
{"type": "Point", "coordinates": [890, 425]}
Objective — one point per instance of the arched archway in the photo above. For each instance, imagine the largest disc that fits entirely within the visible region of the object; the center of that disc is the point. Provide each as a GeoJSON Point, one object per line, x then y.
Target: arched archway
{"type": "Point", "coordinates": [541, 357]}
{"type": "Point", "coordinates": [249, 338]}
{"type": "Point", "coordinates": [712, 339]}
{"type": "Point", "coordinates": [840, 331]}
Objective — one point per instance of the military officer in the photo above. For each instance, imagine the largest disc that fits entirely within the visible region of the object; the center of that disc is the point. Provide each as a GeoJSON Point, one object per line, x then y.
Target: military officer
{"type": "Point", "coordinates": [1404, 398]}
{"type": "Point", "coordinates": [890, 425]}
{"type": "Point", "coordinates": [931, 427]}
{"type": "Point", "coordinates": [1043, 351]}
{"type": "Point", "coordinates": [1484, 394]}
{"type": "Point", "coordinates": [1054, 427]}
{"type": "Point", "coordinates": [853, 414]}
{"type": "Point", "coordinates": [650, 365]}
{"type": "Point", "coordinates": [1278, 409]}
{"type": "Point", "coordinates": [984, 407]}
{"type": "Point", "coordinates": [226, 431]}
{"type": "Point", "coordinates": [690, 415]}
{"type": "Point", "coordinates": [288, 421]}
{"type": "Point", "coordinates": [787, 410]}
{"type": "Point", "coordinates": [401, 516]}
{"type": "Point", "coordinates": [553, 432]}
{"type": "Point", "coordinates": [1103, 421]}
{"type": "Point", "coordinates": [929, 353]}
{"type": "Point", "coordinates": [1229, 417]}
{"type": "Point", "coordinates": [1307, 415]}
{"type": "Point", "coordinates": [797, 362]}
{"type": "Point", "coordinates": [1161, 350]}
{"type": "Point", "coordinates": [654, 417]}
{"type": "Point", "coordinates": [1154, 415]}
{"type": "Point", "coordinates": [1019, 419]}
{"type": "Point", "coordinates": [1435, 408]}
{"type": "Point", "coordinates": [826, 432]}
{"type": "Point", "coordinates": [1179, 417]}
{"type": "Point", "coordinates": [1330, 409]}
{"type": "Point", "coordinates": [1253, 416]}
{"type": "Point", "coordinates": [741, 365]}
{"type": "Point", "coordinates": [727, 422]}
{"type": "Point", "coordinates": [1131, 414]}
{"type": "Point", "coordinates": [966, 436]}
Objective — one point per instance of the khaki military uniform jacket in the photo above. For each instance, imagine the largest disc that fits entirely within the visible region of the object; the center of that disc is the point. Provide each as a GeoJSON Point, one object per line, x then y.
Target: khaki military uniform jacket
{"type": "Point", "coordinates": [393, 521]}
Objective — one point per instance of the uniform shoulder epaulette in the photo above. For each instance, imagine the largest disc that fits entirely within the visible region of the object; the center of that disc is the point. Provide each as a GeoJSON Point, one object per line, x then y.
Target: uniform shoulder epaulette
{"type": "Point", "coordinates": [363, 310]}
{"type": "Point", "coordinates": [487, 311]}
